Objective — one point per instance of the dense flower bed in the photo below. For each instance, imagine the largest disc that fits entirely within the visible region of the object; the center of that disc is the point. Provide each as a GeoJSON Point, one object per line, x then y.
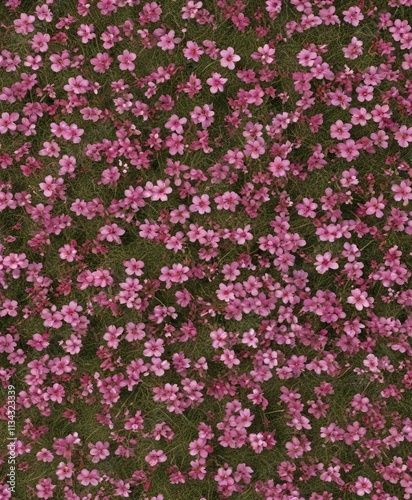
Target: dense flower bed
{"type": "Point", "coordinates": [205, 255]}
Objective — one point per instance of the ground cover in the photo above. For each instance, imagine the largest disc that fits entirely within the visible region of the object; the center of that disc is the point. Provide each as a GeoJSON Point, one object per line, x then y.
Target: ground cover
{"type": "Point", "coordinates": [205, 249]}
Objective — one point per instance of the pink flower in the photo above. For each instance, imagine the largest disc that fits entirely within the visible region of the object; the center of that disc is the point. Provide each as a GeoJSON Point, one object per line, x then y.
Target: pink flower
{"type": "Point", "coordinates": [190, 10]}
{"type": "Point", "coordinates": [328, 16]}
{"type": "Point", "coordinates": [64, 470]}
{"type": "Point", "coordinates": [24, 25]}
{"type": "Point", "coordinates": [340, 130]}
{"type": "Point", "coordinates": [7, 122]}
{"type": "Point", "coordinates": [126, 60]}
{"type": "Point", "coordinates": [175, 144]}
{"type": "Point", "coordinates": [375, 206]}
{"type": "Point", "coordinates": [60, 61]}
{"type": "Point", "coordinates": [101, 62]}
{"type": "Point", "coordinates": [45, 455]}
{"type": "Point", "coordinates": [193, 51]}
{"type": "Point", "coordinates": [325, 262]}
{"type": "Point", "coordinates": [175, 124]}
{"type": "Point", "coordinates": [279, 167]}
{"type": "Point", "coordinates": [168, 41]}
{"type": "Point", "coordinates": [365, 92]}
{"type": "Point", "coordinates": [200, 204]}
{"type": "Point", "coordinates": [112, 337]}
{"type": "Point", "coordinates": [111, 232]}
{"type": "Point", "coordinates": [354, 49]}
{"type": "Point", "coordinates": [158, 191]}
{"type": "Point", "coordinates": [78, 85]}
{"type": "Point", "coordinates": [264, 54]}
{"type": "Point", "coordinates": [296, 448]}
{"type": "Point", "coordinates": [56, 393]}
{"type": "Point", "coordinates": [86, 477]}
{"type": "Point", "coordinates": [216, 82]}
{"type": "Point", "coordinates": [255, 148]}
{"type": "Point", "coordinates": [86, 32]}
{"type": "Point", "coordinates": [307, 57]}
{"type": "Point", "coordinates": [39, 42]}
{"type": "Point", "coordinates": [99, 451]}
{"type": "Point", "coordinates": [359, 116]}
{"type": "Point", "coordinates": [363, 486]}
{"type": "Point", "coordinates": [228, 58]}
{"type": "Point", "coordinates": [203, 115]}
{"type": "Point", "coordinates": [44, 13]}
{"type": "Point", "coordinates": [403, 191]}
{"type": "Point", "coordinates": [45, 488]}
{"type": "Point", "coordinates": [134, 267]}
{"type": "Point", "coordinates": [404, 136]}
{"type": "Point", "coordinates": [372, 363]}
{"type": "Point", "coordinates": [353, 15]}
{"type": "Point", "coordinates": [307, 208]}
{"type": "Point", "coordinates": [229, 358]}
{"type": "Point", "coordinates": [360, 299]}
{"type": "Point", "coordinates": [225, 292]}
{"type": "Point", "coordinates": [348, 150]}
{"type": "Point", "coordinates": [155, 457]}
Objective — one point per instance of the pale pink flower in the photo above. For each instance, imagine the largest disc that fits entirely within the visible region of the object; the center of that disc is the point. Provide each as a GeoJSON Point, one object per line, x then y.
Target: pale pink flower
{"type": "Point", "coordinates": [228, 58]}
{"type": "Point", "coordinates": [328, 16]}
{"type": "Point", "coordinates": [348, 149]}
{"type": "Point", "coordinates": [307, 58]}
{"type": "Point", "coordinates": [45, 488]}
{"type": "Point", "coordinates": [325, 262]}
{"type": "Point", "coordinates": [110, 233]}
{"type": "Point", "coordinates": [340, 130]}
{"type": "Point", "coordinates": [279, 167]}
{"type": "Point", "coordinates": [353, 15]}
{"type": "Point", "coordinates": [56, 393]}
{"type": "Point", "coordinates": [216, 82]}
{"type": "Point", "coordinates": [200, 204]}
{"type": "Point", "coordinates": [24, 25]}
{"type": "Point", "coordinates": [134, 267]}
{"type": "Point", "coordinates": [359, 116]}
{"type": "Point", "coordinates": [225, 292]}
{"type": "Point", "coordinates": [193, 51]}
{"type": "Point", "coordinates": [7, 122]}
{"type": "Point", "coordinates": [44, 13]}
{"type": "Point", "coordinates": [403, 191]}
{"type": "Point", "coordinates": [99, 451]}
{"type": "Point", "coordinates": [39, 42]}
{"type": "Point", "coordinates": [155, 457]}
{"type": "Point", "coordinates": [175, 124]}
{"type": "Point", "coordinates": [354, 49]}
{"type": "Point", "coordinates": [190, 10]}
{"type": "Point", "coordinates": [360, 299]}
{"type": "Point", "coordinates": [158, 191]}
{"type": "Point", "coordinates": [372, 363]}
{"type": "Point", "coordinates": [60, 61]}
{"type": "Point", "coordinates": [86, 32]}
{"type": "Point", "coordinates": [64, 470]}
{"type": "Point", "coordinates": [404, 136]}
{"type": "Point", "coordinates": [365, 92]}
{"type": "Point", "coordinates": [363, 486]}
{"type": "Point", "coordinates": [77, 85]}
{"type": "Point", "coordinates": [126, 60]}
{"type": "Point", "coordinates": [168, 41]}
{"type": "Point", "coordinates": [86, 477]}
{"type": "Point", "coordinates": [307, 208]}
{"type": "Point", "coordinates": [45, 455]}
{"type": "Point", "coordinates": [101, 62]}
{"type": "Point", "coordinates": [375, 206]}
